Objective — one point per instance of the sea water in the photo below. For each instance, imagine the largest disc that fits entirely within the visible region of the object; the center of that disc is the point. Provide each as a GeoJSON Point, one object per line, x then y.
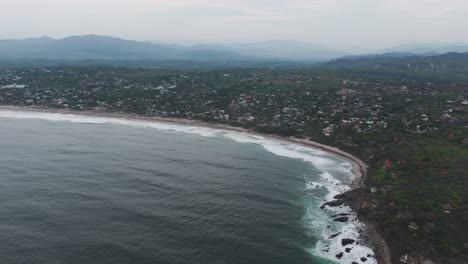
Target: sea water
{"type": "Point", "coordinates": [82, 189]}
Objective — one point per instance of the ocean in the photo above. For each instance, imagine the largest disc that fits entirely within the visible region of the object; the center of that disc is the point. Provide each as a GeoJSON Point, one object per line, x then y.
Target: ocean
{"type": "Point", "coordinates": [81, 189]}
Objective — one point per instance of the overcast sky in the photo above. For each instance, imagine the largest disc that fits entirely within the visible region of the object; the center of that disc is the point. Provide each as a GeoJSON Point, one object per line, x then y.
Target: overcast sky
{"type": "Point", "coordinates": [337, 23]}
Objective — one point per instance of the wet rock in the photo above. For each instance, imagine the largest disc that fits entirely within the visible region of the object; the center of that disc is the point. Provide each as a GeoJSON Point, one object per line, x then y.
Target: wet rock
{"type": "Point", "coordinates": [343, 214]}
{"type": "Point", "coordinates": [348, 250]}
{"type": "Point", "coordinates": [363, 259]}
{"type": "Point", "coordinates": [334, 203]}
{"type": "Point", "coordinates": [339, 256]}
{"type": "Point", "coordinates": [335, 235]}
{"type": "Point", "coordinates": [347, 241]}
{"type": "Point", "coordinates": [341, 219]}
{"type": "Point", "coordinates": [322, 207]}
{"type": "Point", "coordinates": [354, 262]}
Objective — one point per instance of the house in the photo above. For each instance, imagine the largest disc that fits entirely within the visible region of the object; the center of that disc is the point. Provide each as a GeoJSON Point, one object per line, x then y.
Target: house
{"type": "Point", "coordinates": [345, 91]}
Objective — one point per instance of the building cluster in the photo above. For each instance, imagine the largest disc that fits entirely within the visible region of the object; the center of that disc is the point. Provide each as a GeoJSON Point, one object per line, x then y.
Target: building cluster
{"type": "Point", "coordinates": [293, 104]}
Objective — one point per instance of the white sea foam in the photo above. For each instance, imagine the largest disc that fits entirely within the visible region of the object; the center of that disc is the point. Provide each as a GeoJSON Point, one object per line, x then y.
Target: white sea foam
{"type": "Point", "coordinates": [208, 132]}
{"type": "Point", "coordinates": [311, 185]}
{"type": "Point", "coordinates": [315, 218]}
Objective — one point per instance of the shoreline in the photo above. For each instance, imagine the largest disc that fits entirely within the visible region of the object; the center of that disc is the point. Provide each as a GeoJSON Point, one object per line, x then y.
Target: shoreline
{"type": "Point", "coordinates": [359, 167]}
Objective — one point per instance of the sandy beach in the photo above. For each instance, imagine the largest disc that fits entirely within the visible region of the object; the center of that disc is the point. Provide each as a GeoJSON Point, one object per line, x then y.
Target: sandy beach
{"type": "Point", "coordinates": [359, 167]}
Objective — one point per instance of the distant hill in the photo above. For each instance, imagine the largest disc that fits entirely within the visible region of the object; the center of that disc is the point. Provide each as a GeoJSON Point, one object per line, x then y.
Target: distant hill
{"type": "Point", "coordinates": [94, 47]}
{"type": "Point", "coordinates": [448, 62]}
{"type": "Point", "coordinates": [287, 49]}
{"type": "Point", "coordinates": [379, 55]}
{"type": "Point", "coordinates": [427, 49]}
{"type": "Point", "coordinates": [102, 48]}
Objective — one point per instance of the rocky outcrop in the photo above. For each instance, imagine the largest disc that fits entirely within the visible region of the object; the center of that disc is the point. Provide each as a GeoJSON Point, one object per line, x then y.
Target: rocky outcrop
{"type": "Point", "coordinates": [334, 203]}
{"type": "Point", "coordinates": [366, 209]}
{"type": "Point", "coordinates": [341, 219]}
{"type": "Point", "coordinates": [347, 241]}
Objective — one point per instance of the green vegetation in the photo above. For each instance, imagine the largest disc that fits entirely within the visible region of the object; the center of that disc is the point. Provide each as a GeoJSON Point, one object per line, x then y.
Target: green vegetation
{"type": "Point", "coordinates": [426, 177]}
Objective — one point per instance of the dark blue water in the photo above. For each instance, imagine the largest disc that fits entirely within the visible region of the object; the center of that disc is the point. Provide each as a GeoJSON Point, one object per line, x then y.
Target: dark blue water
{"type": "Point", "coordinates": [102, 193]}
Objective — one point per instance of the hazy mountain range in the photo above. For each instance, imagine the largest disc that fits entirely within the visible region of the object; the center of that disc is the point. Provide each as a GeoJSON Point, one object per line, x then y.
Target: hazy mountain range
{"type": "Point", "coordinates": [279, 49]}
{"type": "Point", "coordinates": [94, 47]}
{"type": "Point", "coordinates": [102, 47]}
{"type": "Point", "coordinates": [453, 62]}
{"type": "Point", "coordinates": [427, 49]}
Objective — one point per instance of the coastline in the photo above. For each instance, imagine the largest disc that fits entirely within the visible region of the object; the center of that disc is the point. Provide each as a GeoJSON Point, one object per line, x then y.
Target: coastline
{"type": "Point", "coordinates": [359, 167]}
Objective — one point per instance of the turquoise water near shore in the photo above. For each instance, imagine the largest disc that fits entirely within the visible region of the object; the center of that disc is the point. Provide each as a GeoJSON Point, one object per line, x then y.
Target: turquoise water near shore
{"type": "Point", "coordinates": [97, 190]}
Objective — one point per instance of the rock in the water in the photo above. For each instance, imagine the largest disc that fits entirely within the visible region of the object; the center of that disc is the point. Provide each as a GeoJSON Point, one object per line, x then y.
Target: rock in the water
{"type": "Point", "coordinates": [341, 219]}
{"type": "Point", "coordinates": [347, 241]}
{"type": "Point", "coordinates": [334, 203]}
{"type": "Point", "coordinates": [335, 235]}
{"type": "Point", "coordinates": [338, 215]}
{"type": "Point", "coordinates": [348, 250]}
{"type": "Point", "coordinates": [339, 256]}
{"type": "Point", "coordinates": [363, 259]}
